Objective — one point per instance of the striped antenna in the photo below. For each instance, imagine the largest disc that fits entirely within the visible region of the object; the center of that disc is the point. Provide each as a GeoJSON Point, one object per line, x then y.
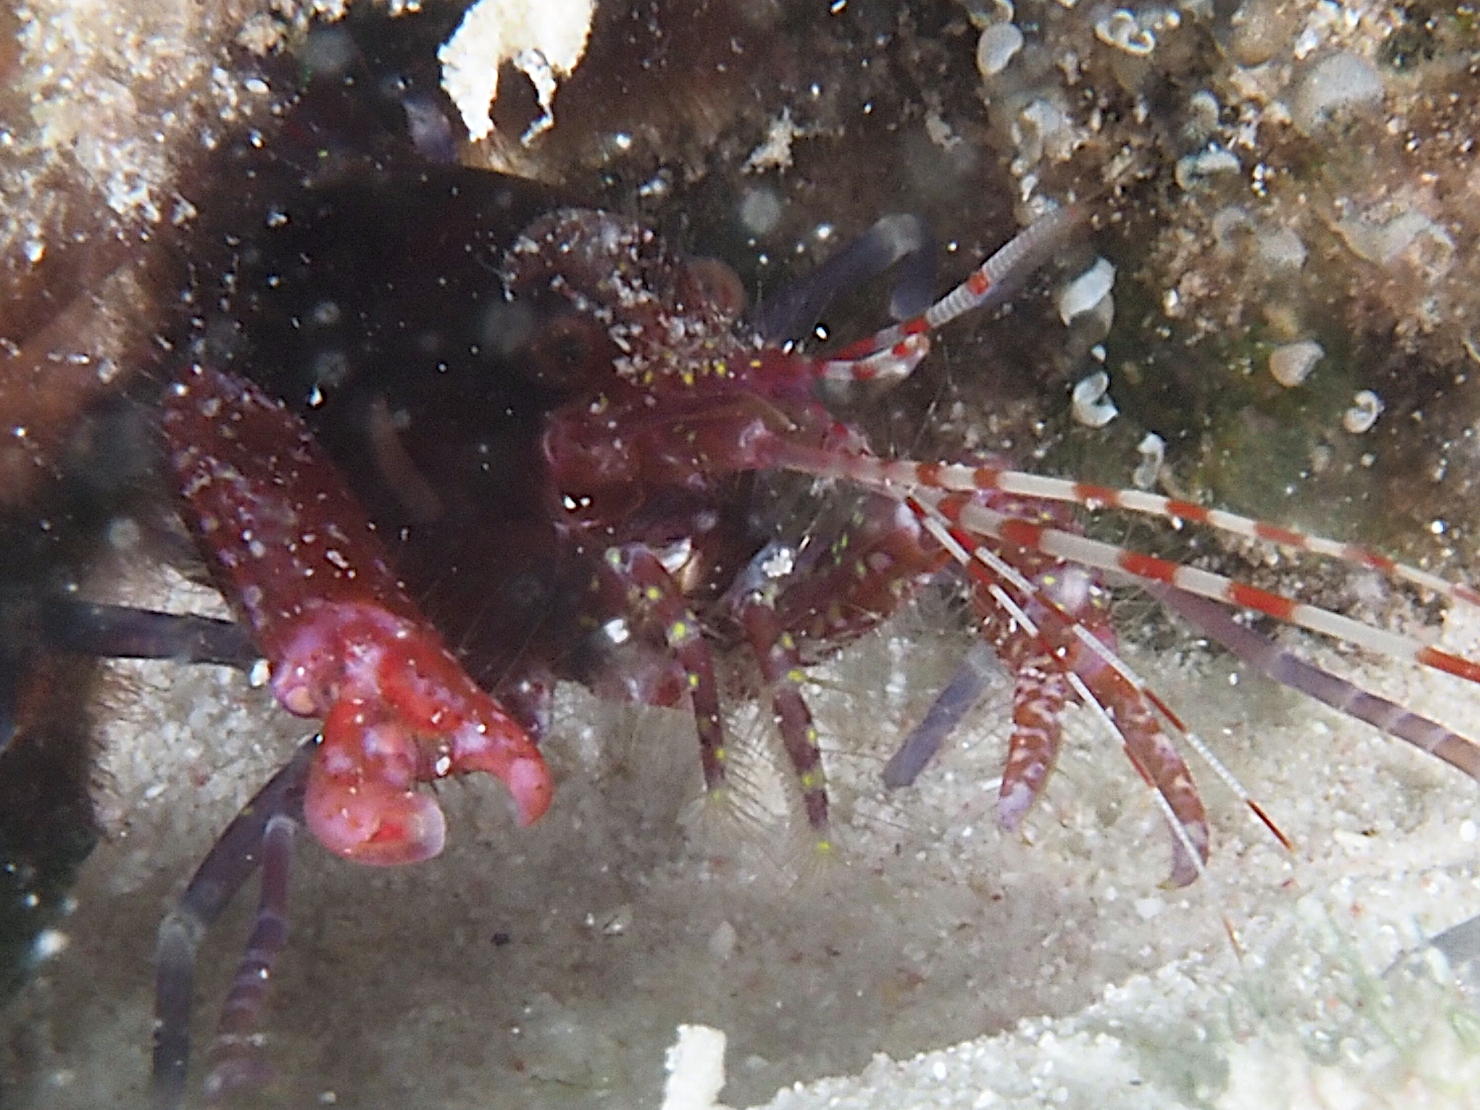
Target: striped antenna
{"type": "Point", "coordinates": [904, 474]}
{"type": "Point", "coordinates": [894, 352]}
{"type": "Point", "coordinates": [894, 363]}
{"type": "Point", "coordinates": [982, 521]}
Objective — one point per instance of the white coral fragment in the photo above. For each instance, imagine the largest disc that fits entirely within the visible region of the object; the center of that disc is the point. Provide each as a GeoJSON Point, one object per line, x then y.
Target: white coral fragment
{"type": "Point", "coordinates": [544, 39]}
{"type": "Point", "coordinates": [775, 152]}
{"type": "Point", "coordinates": [696, 1069]}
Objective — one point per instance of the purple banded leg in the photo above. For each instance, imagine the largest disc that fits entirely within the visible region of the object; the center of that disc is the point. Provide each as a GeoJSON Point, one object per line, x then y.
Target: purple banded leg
{"type": "Point", "coordinates": [1265, 655]}
{"type": "Point", "coordinates": [781, 669]}
{"type": "Point", "coordinates": [121, 632]}
{"type": "Point", "coordinates": [236, 1062]}
{"type": "Point", "coordinates": [639, 586]}
{"type": "Point", "coordinates": [30, 624]}
{"type": "Point", "coordinates": [942, 718]}
{"type": "Point", "coordinates": [241, 848]}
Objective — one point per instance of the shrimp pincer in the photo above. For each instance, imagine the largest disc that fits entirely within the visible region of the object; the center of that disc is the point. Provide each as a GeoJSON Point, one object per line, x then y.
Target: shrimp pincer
{"type": "Point", "coordinates": [342, 638]}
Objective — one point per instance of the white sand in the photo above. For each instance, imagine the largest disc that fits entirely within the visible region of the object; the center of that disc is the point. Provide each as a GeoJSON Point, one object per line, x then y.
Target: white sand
{"type": "Point", "coordinates": [627, 916]}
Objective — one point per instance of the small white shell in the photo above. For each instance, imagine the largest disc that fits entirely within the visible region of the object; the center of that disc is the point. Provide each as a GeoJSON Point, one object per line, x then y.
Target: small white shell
{"type": "Point", "coordinates": [1202, 113]}
{"type": "Point", "coordinates": [1366, 408]}
{"type": "Point", "coordinates": [1192, 169]}
{"type": "Point", "coordinates": [1153, 451]}
{"type": "Point", "coordinates": [1292, 363]}
{"type": "Point", "coordinates": [1089, 402]}
{"type": "Point", "coordinates": [1337, 85]}
{"type": "Point", "coordinates": [1085, 292]}
{"type": "Point", "coordinates": [1120, 30]}
{"type": "Point", "coordinates": [984, 13]}
{"type": "Point", "coordinates": [997, 47]}
{"type": "Point", "coordinates": [1280, 248]}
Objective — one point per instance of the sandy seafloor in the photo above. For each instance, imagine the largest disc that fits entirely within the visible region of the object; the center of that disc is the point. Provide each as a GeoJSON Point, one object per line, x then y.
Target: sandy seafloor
{"type": "Point", "coordinates": [626, 915]}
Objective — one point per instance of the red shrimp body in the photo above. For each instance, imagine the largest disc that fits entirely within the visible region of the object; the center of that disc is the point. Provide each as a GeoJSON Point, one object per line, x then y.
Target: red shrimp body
{"type": "Point", "coordinates": [570, 444]}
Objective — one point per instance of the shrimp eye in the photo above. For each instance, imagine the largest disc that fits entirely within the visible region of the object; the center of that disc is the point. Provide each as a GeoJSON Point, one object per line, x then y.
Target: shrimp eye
{"type": "Point", "coordinates": [711, 281]}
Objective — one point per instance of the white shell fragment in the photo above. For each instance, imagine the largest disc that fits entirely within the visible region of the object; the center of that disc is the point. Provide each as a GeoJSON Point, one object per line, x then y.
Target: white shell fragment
{"type": "Point", "coordinates": [544, 39]}
{"type": "Point", "coordinates": [1281, 248]}
{"type": "Point", "coordinates": [1202, 113]}
{"type": "Point", "coordinates": [1192, 169]}
{"type": "Point", "coordinates": [1044, 129]}
{"type": "Point", "coordinates": [1231, 227]}
{"type": "Point", "coordinates": [1366, 408]}
{"type": "Point", "coordinates": [1085, 292]}
{"type": "Point", "coordinates": [997, 46]}
{"type": "Point", "coordinates": [1334, 86]}
{"type": "Point", "coordinates": [1409, 235]}
{"type": "Point", "coordinates": [1121, 30]}
{"type": "Point", "coordinates": [1153, 451]}
{"type": "Point", "coordinates": [984, 13]}
{"type": "Point", "coordinates": [1292, 363]}
{"type": "Point", "coordinates": [1090, 403]}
